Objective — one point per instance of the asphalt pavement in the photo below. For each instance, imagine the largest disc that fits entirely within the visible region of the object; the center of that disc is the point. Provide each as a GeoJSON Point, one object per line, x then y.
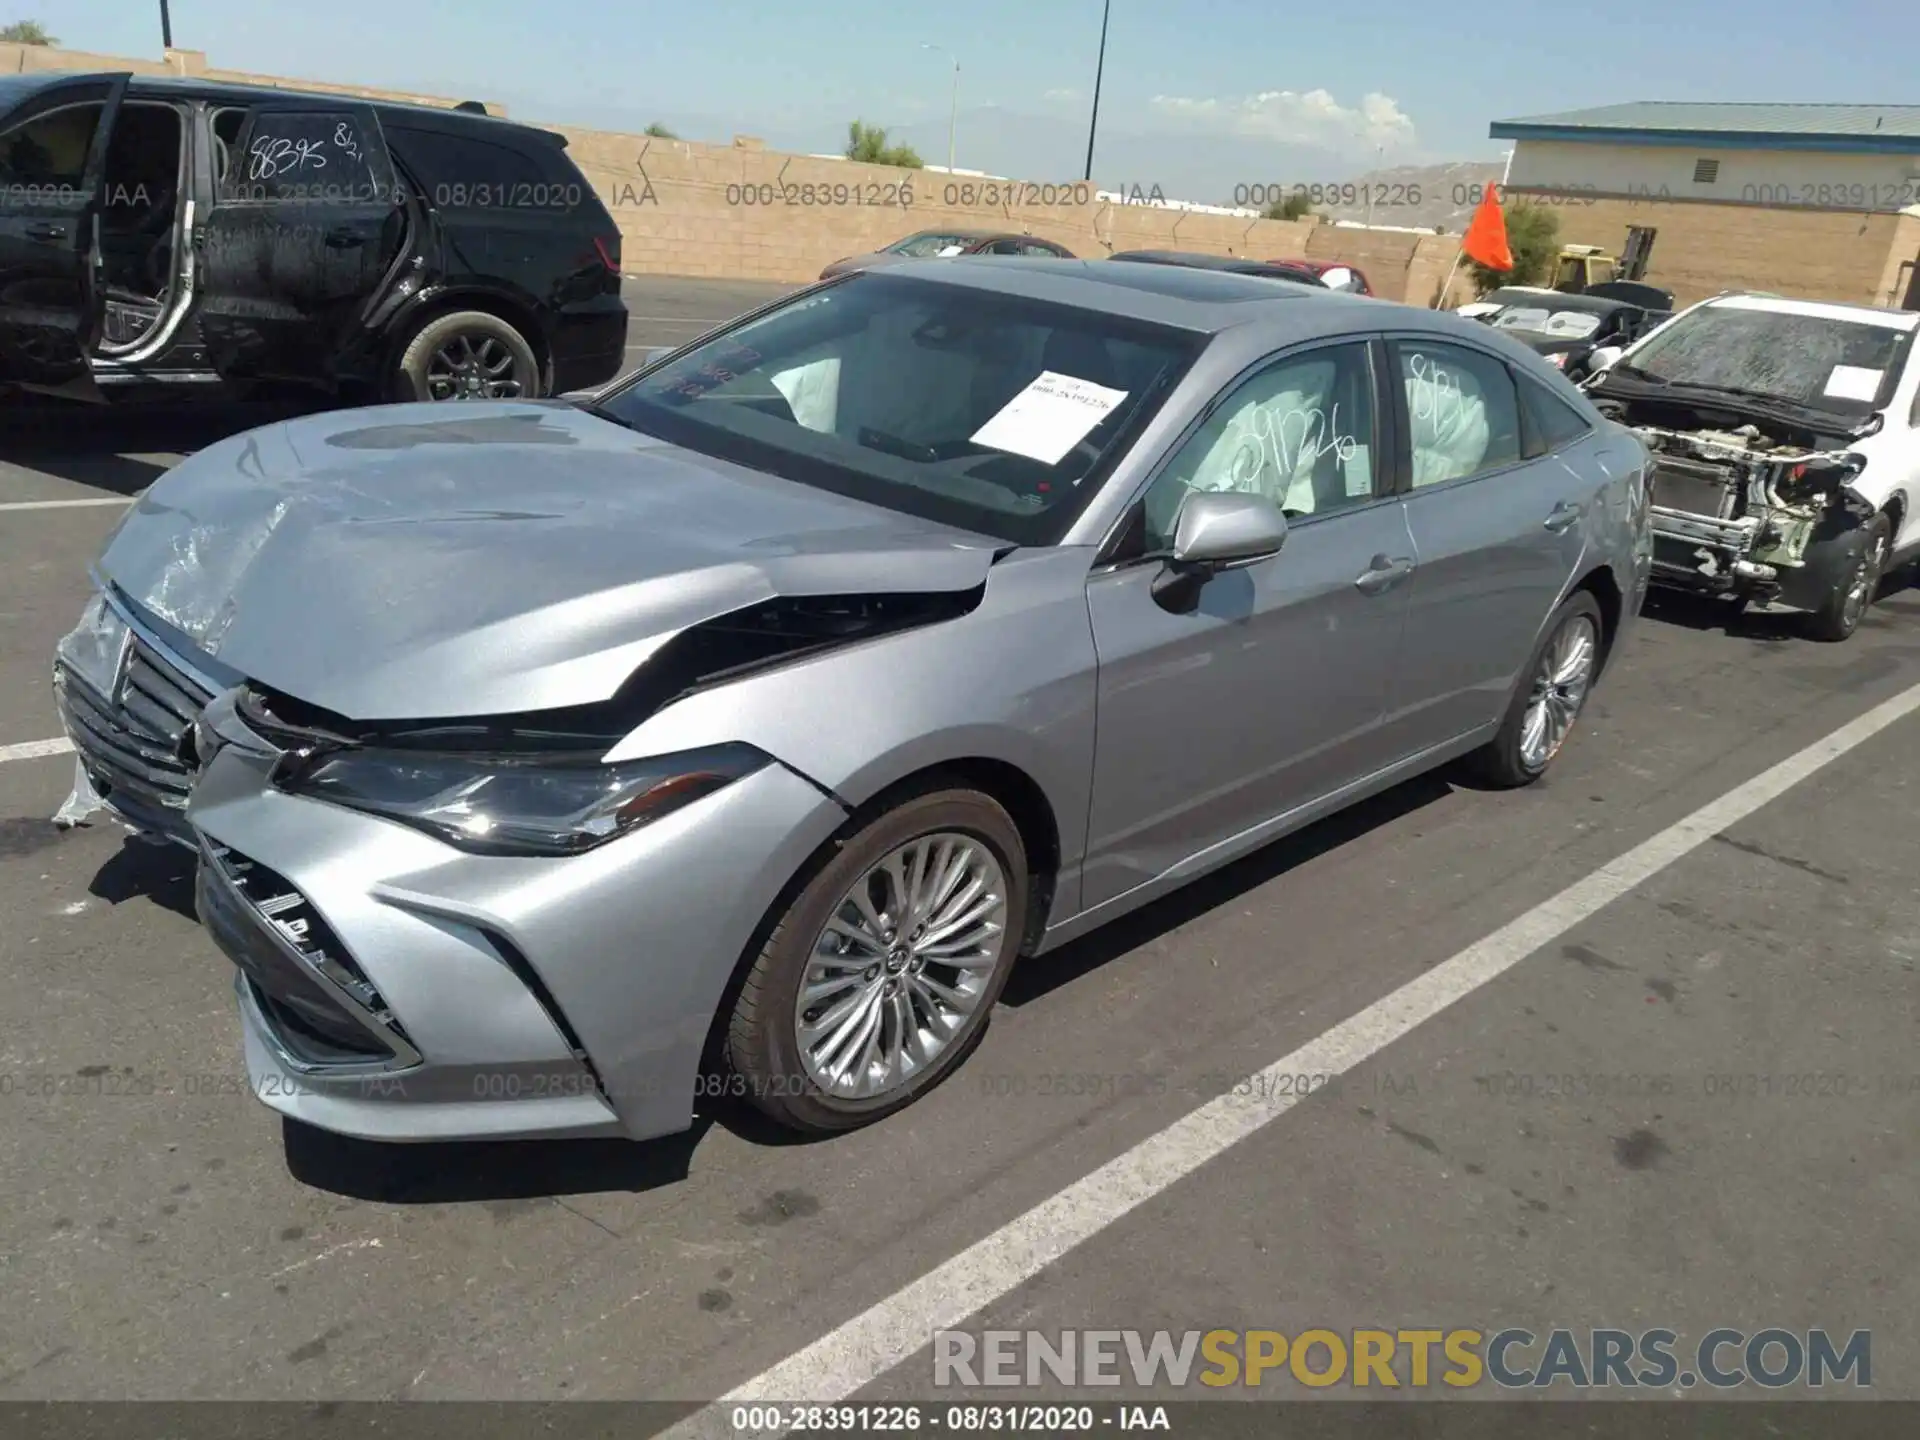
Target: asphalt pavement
{"type": "Point", "coordinates": [1685, 1094]}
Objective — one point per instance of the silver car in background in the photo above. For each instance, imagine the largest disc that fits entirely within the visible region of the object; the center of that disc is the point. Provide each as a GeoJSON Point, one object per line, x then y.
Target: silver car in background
{"type": "Point", "coordinates": [762, 712]}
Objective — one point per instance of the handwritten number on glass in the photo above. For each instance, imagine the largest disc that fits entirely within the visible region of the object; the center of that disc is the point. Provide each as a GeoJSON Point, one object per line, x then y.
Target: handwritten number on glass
{"type": "Point", "coordinates": [1437, 401]}
{"type": "Point", "coordinates": [270, 157]}
{"type": "Point", "coordinates": [343, 138]}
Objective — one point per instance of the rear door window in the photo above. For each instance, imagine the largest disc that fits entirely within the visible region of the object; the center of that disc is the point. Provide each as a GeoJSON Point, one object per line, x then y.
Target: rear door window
{"type": "Point", "coordinates": [1461, 409]}
{"type": "Point", "coordinates": [304, 155]}
{"type": "Point", "coordinates": [1550, 423]}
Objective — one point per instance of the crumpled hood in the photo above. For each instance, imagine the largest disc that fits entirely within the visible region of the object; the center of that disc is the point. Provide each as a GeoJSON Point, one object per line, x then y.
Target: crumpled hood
{"type": "Point", "coordinates": [437, 561]}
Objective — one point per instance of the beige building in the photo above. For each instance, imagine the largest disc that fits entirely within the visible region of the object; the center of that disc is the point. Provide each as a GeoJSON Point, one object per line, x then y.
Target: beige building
{"type": "Point", "coordinates": [1814, 201]}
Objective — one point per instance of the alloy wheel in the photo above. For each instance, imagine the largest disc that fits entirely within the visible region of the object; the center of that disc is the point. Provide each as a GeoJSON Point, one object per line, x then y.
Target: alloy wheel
{"type": "Point", "coordinates": [472, 365]}
{"type": "Point", "coordinates": [1559, 690]}
{"type": "Point", "coordinates": [1863, 583]}
{"type": "Point", "coordinates": [897, 974]}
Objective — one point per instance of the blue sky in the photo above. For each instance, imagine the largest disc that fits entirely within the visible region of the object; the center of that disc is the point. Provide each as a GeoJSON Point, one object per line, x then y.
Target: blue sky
{"type": "Point", "coordinates": [1197, 98]}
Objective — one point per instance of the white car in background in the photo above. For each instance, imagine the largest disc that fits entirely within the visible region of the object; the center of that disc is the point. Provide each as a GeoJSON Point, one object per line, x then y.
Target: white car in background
{"type": "Point", "coordinates": [1786, 442]}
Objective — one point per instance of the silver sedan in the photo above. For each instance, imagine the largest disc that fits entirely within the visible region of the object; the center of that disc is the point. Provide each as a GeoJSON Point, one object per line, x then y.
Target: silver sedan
{"type": "Point", "coordinates": [551, 765]}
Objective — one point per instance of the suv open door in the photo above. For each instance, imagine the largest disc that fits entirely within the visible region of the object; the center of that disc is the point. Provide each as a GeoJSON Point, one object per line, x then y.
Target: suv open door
{"type": "Point", "coordinates": [307, 228]}
{"type": "Point", "coordinates": [53, 150]}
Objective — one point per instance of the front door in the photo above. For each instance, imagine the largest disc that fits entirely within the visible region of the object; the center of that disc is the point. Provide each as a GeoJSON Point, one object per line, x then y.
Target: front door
{"type": "Point", "coordinates": [306, 229]}
{"type": "Point", "coordinates": [53, 151]}
{"type": "Point", "coordinates": [1265, 691]}
{"type": "Point", "coordinates": [1498, 519]}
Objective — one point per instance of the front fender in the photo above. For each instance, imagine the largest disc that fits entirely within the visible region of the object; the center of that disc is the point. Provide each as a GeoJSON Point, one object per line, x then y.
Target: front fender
{"type": "Point", "coordinates": [1013, 680]}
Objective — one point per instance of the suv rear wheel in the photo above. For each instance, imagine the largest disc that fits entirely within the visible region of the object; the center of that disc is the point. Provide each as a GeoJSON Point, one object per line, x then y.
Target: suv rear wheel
{"type": "Point", "coordinates": [468, 355]}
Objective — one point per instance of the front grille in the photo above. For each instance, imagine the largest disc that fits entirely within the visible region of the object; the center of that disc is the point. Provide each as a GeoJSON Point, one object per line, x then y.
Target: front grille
{"type": "Point", "coordinates": [1693, 487]}
{"type": "Point", "coordinates": [326, 1010]}
{"type": "Point", "coordinates": [132, 744]}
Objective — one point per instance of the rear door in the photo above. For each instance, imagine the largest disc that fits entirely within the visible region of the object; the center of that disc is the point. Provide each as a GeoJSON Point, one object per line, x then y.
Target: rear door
{"type": "Point", "coordinates": [307, 229]}
{"type": "Point", "coordinates": [1499, 506]}
{"type": "Point", "coordinates": [53, 150]}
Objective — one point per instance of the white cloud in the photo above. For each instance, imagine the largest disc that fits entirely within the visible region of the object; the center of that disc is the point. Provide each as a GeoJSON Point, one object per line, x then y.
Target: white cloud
{"type": "Point", "coordinates": [1295, 118]}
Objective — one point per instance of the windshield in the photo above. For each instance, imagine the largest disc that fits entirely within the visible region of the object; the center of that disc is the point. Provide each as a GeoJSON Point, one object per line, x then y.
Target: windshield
{"type": "Point", "coordinates": [921, 246]}
{"type": "Point", "coordinates": [1539, 320]}
{"type": "Point", "coordinates": [1816, 360]}
{"type": "Point", "coordinates": [998, 414]}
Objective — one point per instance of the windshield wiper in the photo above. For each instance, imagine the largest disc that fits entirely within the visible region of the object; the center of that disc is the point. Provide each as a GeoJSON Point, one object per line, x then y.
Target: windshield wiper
{"type": "Point", "coordinates": [1634, 372]}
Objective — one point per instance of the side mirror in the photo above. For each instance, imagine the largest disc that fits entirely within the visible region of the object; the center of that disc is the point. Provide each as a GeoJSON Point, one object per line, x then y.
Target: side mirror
{"type": "Point", "coordinates": [1216, 531]}
{"type": "Point", "coordinates": [1224, 530]}
{"type": "Point", "coordinates": [1604, 357]}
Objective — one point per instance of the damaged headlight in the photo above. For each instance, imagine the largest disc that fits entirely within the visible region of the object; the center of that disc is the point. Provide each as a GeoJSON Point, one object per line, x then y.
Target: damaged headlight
{"type": "Point", "coordinates": [92, 649]}
{"type": "Point", "coordinates": [513, 805]}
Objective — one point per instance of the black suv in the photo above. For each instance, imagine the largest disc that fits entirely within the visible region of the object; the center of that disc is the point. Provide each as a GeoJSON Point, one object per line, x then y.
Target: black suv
{"type": "Point", "coordinates": [182, 233]}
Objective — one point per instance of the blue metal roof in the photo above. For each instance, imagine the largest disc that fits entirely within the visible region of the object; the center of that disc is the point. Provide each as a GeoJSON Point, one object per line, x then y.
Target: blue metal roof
{"type": "Point", "coordinates": [1881, 128]}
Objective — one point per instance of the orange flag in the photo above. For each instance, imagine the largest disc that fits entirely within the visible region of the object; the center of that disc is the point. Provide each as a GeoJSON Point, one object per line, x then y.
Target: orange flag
{"type": "Point", "coordinates": [1486, 238]}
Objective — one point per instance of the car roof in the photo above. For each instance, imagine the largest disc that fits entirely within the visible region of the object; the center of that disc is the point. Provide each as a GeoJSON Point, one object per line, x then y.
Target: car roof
{"type": "Point", "coordinates": [188, 87]}
{"type": "Point", "coordinates": [1203, 300]}
{"type": "Point", "coordinates": [1199, 260]}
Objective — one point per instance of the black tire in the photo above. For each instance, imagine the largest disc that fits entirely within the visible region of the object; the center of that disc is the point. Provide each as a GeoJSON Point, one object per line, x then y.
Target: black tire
{"type": "Point", "coordinates": [1502, 762]}
{"type": "Point", "coordinates": [483, 352]}
{"type": "Point", "coordinates": [762, 1049]}
{"type": "Point", "coordinates": [1854, 588]}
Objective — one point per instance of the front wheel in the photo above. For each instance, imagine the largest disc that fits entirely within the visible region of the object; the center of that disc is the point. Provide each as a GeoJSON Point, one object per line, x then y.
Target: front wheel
{"type": "Point", "coordinates": [1548, 702]}
{"type": "Point", "coordinates": [468, 355]}
{"type": "Point", "coordinates": [1853, 591]}
{"type": "Point", "coordinates": [877, 981]}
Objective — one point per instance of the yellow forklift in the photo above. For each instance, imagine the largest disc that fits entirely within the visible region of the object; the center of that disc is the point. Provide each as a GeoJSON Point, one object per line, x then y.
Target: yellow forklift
{"type": "Point", "coordinates": [1580, 267]}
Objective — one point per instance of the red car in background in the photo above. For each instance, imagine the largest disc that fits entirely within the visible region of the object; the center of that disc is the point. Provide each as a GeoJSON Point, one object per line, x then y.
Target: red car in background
{"type": "Point", "coordinates": [1334, 275]}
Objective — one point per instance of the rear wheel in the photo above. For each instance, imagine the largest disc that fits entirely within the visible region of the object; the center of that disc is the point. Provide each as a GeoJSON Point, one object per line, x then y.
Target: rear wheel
{"type": "Point", "coordinates": [1547, 705]}
{"type": "Point", "coordinates": [1853, 591]}
{"type": "Point", "coordinates": [468, 355]}
{"type": "Point", "coordinates": [877, 981]}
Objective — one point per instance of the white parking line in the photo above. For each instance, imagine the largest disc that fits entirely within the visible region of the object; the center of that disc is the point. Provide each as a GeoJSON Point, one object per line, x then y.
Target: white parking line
{"type": "Point", "coordinates": [837, 1365]}
{"type": "Point", "coordinates": [34, 749]}
{"type": "Point", "coordinates": [65, 504]}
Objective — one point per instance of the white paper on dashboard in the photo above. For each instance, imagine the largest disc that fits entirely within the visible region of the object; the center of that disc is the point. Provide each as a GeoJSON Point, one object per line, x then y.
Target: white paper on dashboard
{"type": "Point", "coordinates": [1853, 382]}
{"type": "Point", "coordinates": [1048, 418]}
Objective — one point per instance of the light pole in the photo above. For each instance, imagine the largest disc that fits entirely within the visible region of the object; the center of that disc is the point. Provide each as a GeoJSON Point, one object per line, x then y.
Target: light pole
{"type": "Point", "coordinates": [1099, 68]}
{"type": "Point", "coordinates": [166, 26]}
{"type": "Point", "coordinates": [953, 109]}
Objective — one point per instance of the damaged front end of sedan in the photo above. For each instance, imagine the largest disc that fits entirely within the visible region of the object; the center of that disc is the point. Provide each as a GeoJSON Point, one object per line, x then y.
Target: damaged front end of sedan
{"type": "Point", "coordinates": [146, 722]}
{"type": "Point", "coordinates": [1758, 510]}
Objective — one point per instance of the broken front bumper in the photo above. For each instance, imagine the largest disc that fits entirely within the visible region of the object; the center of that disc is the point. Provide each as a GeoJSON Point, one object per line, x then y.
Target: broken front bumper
{"type": "Point", "coordinates": [128, 702]}
{"type": "Point", "coordinates": [1698, 552]}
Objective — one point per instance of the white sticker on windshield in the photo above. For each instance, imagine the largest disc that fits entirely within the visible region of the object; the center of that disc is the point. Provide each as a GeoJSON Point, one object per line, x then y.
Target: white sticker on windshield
{"type": "Point", "coordinates": [1048, 418]}
{"type": "Point", "coordinates": [950, 250]}
{"type": "Point", "coordinates": [1853, 382]}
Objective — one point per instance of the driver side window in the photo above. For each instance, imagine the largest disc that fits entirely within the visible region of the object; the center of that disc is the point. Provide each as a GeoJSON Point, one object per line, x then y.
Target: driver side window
{"type": "Point", "coordinates": [1299, 432]}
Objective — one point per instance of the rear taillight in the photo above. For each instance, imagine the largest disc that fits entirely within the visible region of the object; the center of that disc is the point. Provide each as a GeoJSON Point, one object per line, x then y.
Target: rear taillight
{"type": "Point", "coordinates": [608, 249]}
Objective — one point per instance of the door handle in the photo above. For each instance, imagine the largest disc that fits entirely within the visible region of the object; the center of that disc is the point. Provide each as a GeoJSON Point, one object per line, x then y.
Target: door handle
{"type": "Point", "coordinates": [1563, 515]}
{"type": "Point", "coordinates": [1382, 574]}
{"type": "Point", "coordinates": [344, 239]}
{"type": "Point", "coordinates": [46, 232]}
